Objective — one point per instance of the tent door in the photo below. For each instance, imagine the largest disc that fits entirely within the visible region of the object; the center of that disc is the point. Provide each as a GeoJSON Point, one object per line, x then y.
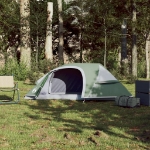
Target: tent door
{"type": "Point", "coordinates": [66, 81]}
{"type": "Point", "coordinates": [50, 82]}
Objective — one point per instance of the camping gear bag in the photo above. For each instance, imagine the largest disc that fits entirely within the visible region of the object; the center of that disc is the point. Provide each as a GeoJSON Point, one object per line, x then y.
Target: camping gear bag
{"type": "Point", "coordinates": [127, 101]}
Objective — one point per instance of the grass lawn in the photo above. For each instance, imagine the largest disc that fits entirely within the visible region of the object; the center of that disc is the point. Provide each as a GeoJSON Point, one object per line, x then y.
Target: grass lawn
{"type": "Point", "coordinates": [73, 125]}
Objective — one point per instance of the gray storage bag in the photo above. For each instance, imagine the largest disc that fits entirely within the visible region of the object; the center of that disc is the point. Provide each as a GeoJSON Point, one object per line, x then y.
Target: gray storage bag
{"type": "Point", "coordinates": [127, 101]}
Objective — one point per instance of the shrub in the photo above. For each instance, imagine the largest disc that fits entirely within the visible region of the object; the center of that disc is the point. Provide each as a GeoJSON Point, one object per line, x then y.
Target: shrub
{"type": "Point", "coordinates": [45, 66]}
{"type": "Point", "coordinates": [131, 79]}
{"type": "Point", "coordinates": [12, 67]}
{"type": "Point", "coordinates": [141, 69]}
{"type": "Point", "coordinates": [117, 73]}
{"type": "Point", "coordinates": [37, 71]}
{"type": "Point", "coordinates": [34, 76]}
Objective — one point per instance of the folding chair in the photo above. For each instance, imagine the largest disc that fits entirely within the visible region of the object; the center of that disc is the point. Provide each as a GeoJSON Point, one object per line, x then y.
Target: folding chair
{"type": "Point", "coordinates": [7, 84]}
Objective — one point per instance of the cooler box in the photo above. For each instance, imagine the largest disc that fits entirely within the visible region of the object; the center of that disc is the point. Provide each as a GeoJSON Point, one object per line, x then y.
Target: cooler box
{"type": "Point", "coordinates": [142, 90]}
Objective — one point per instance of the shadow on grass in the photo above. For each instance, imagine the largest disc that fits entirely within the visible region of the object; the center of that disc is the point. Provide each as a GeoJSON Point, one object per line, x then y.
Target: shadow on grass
{"type": "Point", "coordinates": [5, 99]}
{"type": "Point", "coordinates": [77, 116]}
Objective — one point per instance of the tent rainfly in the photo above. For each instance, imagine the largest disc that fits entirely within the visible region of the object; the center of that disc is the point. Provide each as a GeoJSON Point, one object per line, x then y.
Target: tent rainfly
{"type": "Point", "coordinates": [78, 81]}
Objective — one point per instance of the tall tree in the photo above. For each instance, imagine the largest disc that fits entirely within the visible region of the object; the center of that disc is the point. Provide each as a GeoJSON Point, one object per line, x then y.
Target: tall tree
{"type": "Point", "coordinates": [75, 17]}
{"type": "Point", "coordinates": [134, 46]}
{"type": "Point", "coordinates": [143, 10]}
{"type": "Point", "coordinates": [147, 51]}
{"type": "Point", "coordinates": [61, 40]}
{"type": "Point", "coordinates": [25, 48]}
{"type": "Point", "coordinates": [124, 40]}
{"type": "Point", "coordinates": [102, 29]}
{"type": "Point", "coordinates": [48, 42]}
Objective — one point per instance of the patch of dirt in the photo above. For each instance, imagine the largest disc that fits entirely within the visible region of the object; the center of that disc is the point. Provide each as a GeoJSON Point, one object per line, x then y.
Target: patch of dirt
{"type": "Point", "coordinates": [144, 137]}
{"type": "Point", "coordinates": [93, 140]}
{"type": "Point", "coordinates": [101, 134]}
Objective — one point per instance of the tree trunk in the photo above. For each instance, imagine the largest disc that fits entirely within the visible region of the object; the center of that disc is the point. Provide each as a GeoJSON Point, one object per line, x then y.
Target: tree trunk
{"type": "Point", "coordinates": [61, 40]}
{"type": "Point", "coordinates": [134, 47]}
{"type": "Point", "coordinates": [25, 48]}
{"type": "Point", "coordinates": [147, 49]}
{"type": "Point", "coordinates": [124, 40]}
{"type": "Point", "coordinates": [119, 57]}
{"type": "Point", "coordinates": [48, 42]}
{"type": "Point", "coordinates": [105, 50]}
{"type": "Point", "coordinates": [124, 59]}
{"type": "Point", "coordinates": [80, 45]}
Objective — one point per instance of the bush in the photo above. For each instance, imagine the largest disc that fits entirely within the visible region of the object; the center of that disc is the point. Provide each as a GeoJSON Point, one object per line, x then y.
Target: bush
{"type": "Point", "coordinates": [131, 79]}
{"type": "Point", "coordinates": [21, 72]}
{"type": "Point", "coordinates": [33, 76]}
{"type": "Point", "coordinates": [12, 67]}
{"type": "Point", "coordinates": [141, 69]}
{"type": "Point", "coordinates": [117, 73]}
{"type": "Point", "coordinates": [45, 66]}
{"type": "Point", "coordinates": [37, 71]}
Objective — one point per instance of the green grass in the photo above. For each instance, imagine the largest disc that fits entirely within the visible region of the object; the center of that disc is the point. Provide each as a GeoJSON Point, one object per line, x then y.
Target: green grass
{"type": "Point", "coordinates": [73, 125]}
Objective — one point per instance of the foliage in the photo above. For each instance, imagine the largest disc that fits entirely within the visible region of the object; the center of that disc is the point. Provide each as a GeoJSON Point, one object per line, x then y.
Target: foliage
{"type": "Point", "coordinates": [12, 67]}
{"type": "Point", "coordinates": [117, 73]}
{"type": "Point", "coordinates": [87, 18]}
{"type": "Point", "coordinates": [32, 77]}
{"type": "Point", "coordinates": [9, 25]}
{"type": "Point", "coordinates": [141, 68]}
{"type": "Point", "coordinates": [38, 70]}
{"type": "Point", "coordinates": [131, 79]}
{"type": "Point", "coordinates": [38, 20]}
{"type": "Point", "coordinates": [92, 22]}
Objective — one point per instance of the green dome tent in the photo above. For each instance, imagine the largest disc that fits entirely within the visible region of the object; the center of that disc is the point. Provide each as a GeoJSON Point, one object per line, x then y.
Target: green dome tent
{"type": "Point", "coordinates": [78, 81]}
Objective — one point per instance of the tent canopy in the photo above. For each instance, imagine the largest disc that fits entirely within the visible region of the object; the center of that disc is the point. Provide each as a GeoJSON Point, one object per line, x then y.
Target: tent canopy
{"type": "Point", "coordinates": [78, 81]}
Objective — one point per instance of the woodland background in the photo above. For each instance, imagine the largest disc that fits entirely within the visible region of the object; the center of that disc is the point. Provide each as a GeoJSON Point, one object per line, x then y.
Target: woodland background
{"type": "Point", "coordinates": [111, 32]}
